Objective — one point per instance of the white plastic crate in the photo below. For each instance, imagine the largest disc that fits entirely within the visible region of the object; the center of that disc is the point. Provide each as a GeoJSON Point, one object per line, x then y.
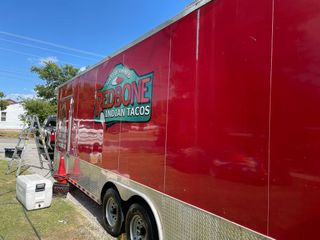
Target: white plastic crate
{"type": "Point", "coordinates": [34, 191]}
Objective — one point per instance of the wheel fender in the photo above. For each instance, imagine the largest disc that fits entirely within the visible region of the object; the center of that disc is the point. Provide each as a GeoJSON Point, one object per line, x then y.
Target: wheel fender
{"type": "Point", "coordinates": [127, 192]}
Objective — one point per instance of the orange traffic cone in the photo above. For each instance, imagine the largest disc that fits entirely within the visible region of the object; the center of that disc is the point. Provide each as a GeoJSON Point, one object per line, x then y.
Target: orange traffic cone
{"type": "Point", "coordinates": [61, 175]}
{"type": "Point", "coordinates": [76, 168]}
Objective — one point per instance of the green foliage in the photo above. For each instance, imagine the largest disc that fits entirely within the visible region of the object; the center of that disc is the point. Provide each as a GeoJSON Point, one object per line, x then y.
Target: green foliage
{"type": "Point", "coordinates": [53, 75]}
{"type": "Point", "coordinates": [46, 103]}
{"type": "Point", "coordinates": [42, 108]}
{"type": "Point", "coordinates": [3, 104]}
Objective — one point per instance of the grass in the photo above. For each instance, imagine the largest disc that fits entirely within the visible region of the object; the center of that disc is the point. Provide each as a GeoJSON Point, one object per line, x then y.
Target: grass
{"type": "Point", "coordinates": [60, 221]}
{"type": "Point", "coordinates": [9, 133]}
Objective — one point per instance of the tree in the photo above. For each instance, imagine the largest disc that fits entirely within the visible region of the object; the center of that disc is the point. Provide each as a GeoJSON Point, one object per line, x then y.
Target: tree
{"type": "Point", "coordinates": [38, 107]}
{"type": "Point", "coordinates": [3, 103]}
{"type": "Point", "coordinates": [53, 75]}
{"type": "Point", "coordinates": [46, 103]}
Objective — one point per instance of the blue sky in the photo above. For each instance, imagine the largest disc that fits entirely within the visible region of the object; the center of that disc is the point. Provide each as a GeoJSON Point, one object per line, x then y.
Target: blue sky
{"type": "Point", "coordinates": [73, 31]}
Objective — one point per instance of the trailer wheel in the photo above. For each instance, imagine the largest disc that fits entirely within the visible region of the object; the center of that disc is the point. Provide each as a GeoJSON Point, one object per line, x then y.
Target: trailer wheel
{"type": "Point", "coordinates": [140, 223]}
{"type": "Point", "coordinates": [112, 212]}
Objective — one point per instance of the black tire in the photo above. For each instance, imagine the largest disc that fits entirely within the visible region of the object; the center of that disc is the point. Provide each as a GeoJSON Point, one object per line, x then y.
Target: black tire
{"type": "Point", "coordinates": [140, 223]}
{"type": "Point", "coordinates": [113, 217]}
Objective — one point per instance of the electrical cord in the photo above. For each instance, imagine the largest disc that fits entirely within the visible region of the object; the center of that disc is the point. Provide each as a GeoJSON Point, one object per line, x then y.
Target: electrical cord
{"type": "Point", "coordinates": [8, 203]}
{"type": "Point", "coordinates": [25, 214]}
{"type": "Point", "coordinates": [33, 227]}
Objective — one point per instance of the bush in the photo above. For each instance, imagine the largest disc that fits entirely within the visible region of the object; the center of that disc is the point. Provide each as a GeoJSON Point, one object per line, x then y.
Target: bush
{"type": "Point", "coordinates": [41, 108]}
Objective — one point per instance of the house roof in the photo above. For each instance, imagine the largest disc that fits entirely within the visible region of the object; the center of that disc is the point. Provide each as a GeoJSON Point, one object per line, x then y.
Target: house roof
{"type": "Point", "coordinates": [10, 101]}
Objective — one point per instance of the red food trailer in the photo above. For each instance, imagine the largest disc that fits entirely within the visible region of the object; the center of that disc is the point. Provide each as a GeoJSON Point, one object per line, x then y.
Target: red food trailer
{"type": "Point", "coordinates": [208, 127]}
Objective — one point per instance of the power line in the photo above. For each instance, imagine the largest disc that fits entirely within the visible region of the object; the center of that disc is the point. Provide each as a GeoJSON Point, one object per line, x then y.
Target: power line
{"type": "Point", "coordinates": [47, 49]}
{"type": "Point", "coordinates": [19, 52]}
{"type": "Point", "coordinates": [11, 78]}
{"type": "Point", "coordinates": [10, 75]}
{"type": "Point", "coordinates": [13, 73]}
{"type": "Point", "coordinates": [13, 70]}
{"type": "Point", "coordinates": [32, 55]}
{"type": "Point", "coordinates": [51, 44]}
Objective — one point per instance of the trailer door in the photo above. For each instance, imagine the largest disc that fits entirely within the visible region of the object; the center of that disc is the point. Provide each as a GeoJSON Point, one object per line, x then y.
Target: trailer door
{"type": "Point", "coordinates": [65, 119]}
{"type": "Point", "coordinates": [64, 127]}
{"type": "Point", "coordinates": [69, 124]}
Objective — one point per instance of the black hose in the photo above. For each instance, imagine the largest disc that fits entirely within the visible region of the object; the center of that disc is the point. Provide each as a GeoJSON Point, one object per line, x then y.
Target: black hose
{"type": "Point", "coordinates": [8, 203]}
{"type": "Point", "coordinates": [34, 229]}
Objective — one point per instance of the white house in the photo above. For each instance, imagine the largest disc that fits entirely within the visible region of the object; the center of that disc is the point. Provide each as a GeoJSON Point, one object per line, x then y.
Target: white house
{"type": "Point", "coordinates": [9, 118]}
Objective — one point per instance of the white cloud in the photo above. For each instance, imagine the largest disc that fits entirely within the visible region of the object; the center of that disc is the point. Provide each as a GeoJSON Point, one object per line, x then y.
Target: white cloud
{"type": "Point", "coordinates": [82, 69]}
{"type": "Point", "coordinates": [20, 96]}
{"type": "Point", "coordinates": [44, 60]}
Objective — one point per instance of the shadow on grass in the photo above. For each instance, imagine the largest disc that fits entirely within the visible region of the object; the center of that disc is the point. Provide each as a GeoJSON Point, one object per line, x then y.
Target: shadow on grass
{"type": "Point", "coordinates": [94, 208]}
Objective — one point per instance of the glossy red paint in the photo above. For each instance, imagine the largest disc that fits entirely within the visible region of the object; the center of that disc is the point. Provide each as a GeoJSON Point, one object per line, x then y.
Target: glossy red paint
{"type": "Point", "coordinates": [213, 134]}
{"type": "Point", "coordinates": [143, 144]}
{"type": "Point", "coordinates": [218, 111]}
{"type": "Point", "coordinates": [86, 135]}
{"type": "Point", "coordinates": [111, 136]}
{"type": "Point", "coordinates": [295, 121]}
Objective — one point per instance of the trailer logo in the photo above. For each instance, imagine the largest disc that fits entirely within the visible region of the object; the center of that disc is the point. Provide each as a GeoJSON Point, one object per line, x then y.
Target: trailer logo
{"type": "Point", "coordinates": [125, 96]}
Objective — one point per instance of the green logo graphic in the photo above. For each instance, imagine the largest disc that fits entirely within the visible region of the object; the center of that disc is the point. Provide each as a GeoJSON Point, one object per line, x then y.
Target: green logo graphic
{"type": "Point", "coordinates": [125, 96]}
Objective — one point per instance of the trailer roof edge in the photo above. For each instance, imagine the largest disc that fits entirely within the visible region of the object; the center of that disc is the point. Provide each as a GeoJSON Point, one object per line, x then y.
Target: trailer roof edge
{"type": "Point", "coordinates": [187, 10]}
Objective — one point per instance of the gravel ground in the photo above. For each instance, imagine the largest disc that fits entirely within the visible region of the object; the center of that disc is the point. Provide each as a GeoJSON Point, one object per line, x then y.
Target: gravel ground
{"type": "Point", "coordinates": [90, 209]}
{"type": "Point", "coordinates": [30, 156]}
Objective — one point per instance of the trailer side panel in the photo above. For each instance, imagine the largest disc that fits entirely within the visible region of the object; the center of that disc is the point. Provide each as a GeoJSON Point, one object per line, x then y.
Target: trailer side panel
{"type": "Point", "coordinates": [219, 111]}
{"type": "Point", "coordinates": [295, 121]}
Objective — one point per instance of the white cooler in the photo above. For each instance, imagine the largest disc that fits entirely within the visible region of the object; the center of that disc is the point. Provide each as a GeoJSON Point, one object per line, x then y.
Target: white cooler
{"type": "Point", "coordinates": [34, 191]}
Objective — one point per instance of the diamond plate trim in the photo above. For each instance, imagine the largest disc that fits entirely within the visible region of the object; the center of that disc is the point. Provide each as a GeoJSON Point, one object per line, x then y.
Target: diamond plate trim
{"type": "Point", "coordinates": [175, 219]}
